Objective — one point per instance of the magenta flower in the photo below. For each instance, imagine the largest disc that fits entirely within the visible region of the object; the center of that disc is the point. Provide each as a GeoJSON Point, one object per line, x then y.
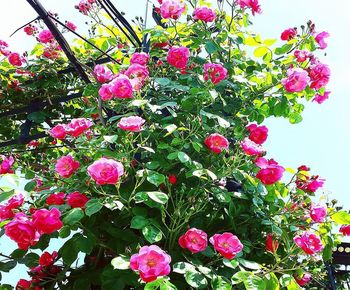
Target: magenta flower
{"type": "Point", "coordinates": [288, 34]}
{"type": "Point", "coordinates": [132, 123]}
{"type": "Point", "coordinates": [178, 56]}
{"type": "Point", "coordinates": [320, 39]}
{"type": "Point", "coordinates": [140, 58]}
{"type": "Point", "coordinates": [106, 171]}
{"type": "Point", "coordinates": [215, 72]}
{"type": "Point", "coordinates": [151, 262]}
{"type": "Point", "coordinates": [121, 87]}
{"type": "Point", "coordinates": [321, 98]}
{"type": "Point", "coordinates": [296, 81]}
{"type": "Point", "coordinates": [45, 36]}
{"type": "Point", "coordinates": [76, 127]}
{"type": "Point", "coordinates": [194, 240]}
{"type": "Point", "coordinates": [77, 199]}
{"type": "Point", "coordinates": [84, 6]}
{"type": "Point", "coordinates": [252, 4]}
{"type": "Point", "coordinates": [5, 166]}
{"type": "Point", "coordinates": [345, 230]}
{"type": "Point", "coordinates": [251, 148]}
{"type": "Point", "coordinates": [105, 92]}
{"type": "Point", "coordinates": [138, 71]}
{"type": "Point", "coordinates": [216, 143]}
{"type": "Point", "coordinates": [309, 243]}
{"type": "Point", "coordinates": [15, 59]}
{"type": "Point", "coordinates": [59, 131]}
{"type": "Point", "coordinates": [319, 74]}
{"type": "Point", "coordinates": [258, 134]}
{"type": "Point", "coordinates": [55, 199]}
{"type": "Point", "coordinates": [302, 55]}
{"type": "Point", "coordinates": [227, 244]}
{"type": "Point", "coordinates": [303, 279]}
{"type": "Point", "coordinates": [66, 166]}
{"type": "Point", "coordinates": [309, 184]}
{"type": "Point", "coordinates": [71, 25]}
{"type": "Point", "coordinates": [204, 13]}
{"type": "Point", "coordinates": [103, 74]}
{"type": "Point", "coordinates": [172, 9]}
{"type": "Point", "coordinates": [318, 213]}
{"type": "Point", "coordinates": [47, 221]}
{"type": "Point", "coordinates": [270, 171]}
{"type": "Point", "coordinates": [15, 201]}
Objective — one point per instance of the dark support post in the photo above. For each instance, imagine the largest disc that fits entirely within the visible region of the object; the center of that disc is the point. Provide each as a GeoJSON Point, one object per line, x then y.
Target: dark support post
{"type": "Point", "coordinates": [331, 276]}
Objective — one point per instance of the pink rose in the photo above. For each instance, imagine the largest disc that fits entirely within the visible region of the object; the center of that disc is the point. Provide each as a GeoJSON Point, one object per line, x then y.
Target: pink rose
{"type": "Point", "coordinates": [105, 92]}
{"type": "Point", "coordinates": [76, 127]}
{"type": "Point", "coordinates": [103, 74]}
{"type": "Point", "coordinates": [22, 231]}
{"type": "Point", "coordinates": [132, 123]}
{"type": "Point", "coordinates": [46, 259]}
{"type": "Point", "coordinates": [302, 55]}
{"type": "Point", "coordinates": [270, 171]}
{"type": "Point", "coordinates": [309, 243]}
{"type": "Point", "coordinates": [309, 184]}
{"type": "Point", "coordinates": [84, 7]}
{"type": "Point", "coordinates": [45, 36]}
{"type": "Point", "coordinates": [23, 284]}
{"type": "Point", "coordinates": [345, 230]}
{"type": "Point", "coordinates": [320, 39]}
{"type": "Point", "coordinates": [194, 240]}
{"type": "Point", "coordinates": [151, 262]}
{"type": "Point", "coordinates": [258, 134]}
{"type": "Point", "coordinates": [6, 213]}
{"type": "Point", "coordinates": [216, 143]}
{"type": "Point", "coordinates": [5, 166]}
{"type": "Point", "coordinates": [318, 213]}
{"type": "Point", "coordinates": [303, 279]}
{"type": "Point", "coordinates": [319, 74]}
{"type": "Point", "coordinates": [30, 29]}
{"type": "Point", "coordinates": [321, 98]}
{"type": "Point", "coordinates": [77, 199]}
{"type": "Point", "coordinates": [47, 221]}
{"type": "Point", "coordinates": [296, 81]}
{"type": "Point", "coordinates": [178, 56]}
{"type": "Point", "coordinates": [55, 199]}
{"type": "Point", "coordinates": [288, 34]}
{"type": "Point", "coordinates": [251, 148]}
{"type": "Point", "coordinates": [121, 87]}
{"type": "Point", "coordinates": [252, 4]}
{"type": "Point", "coordinates": [137, 71]}
{"type": "Point", "coordinates": [71, 25]}
{"type": "Point", "coordinates": [15, 59]}
{"type": "Point", "coordinates": [66, 166]}
{"type": "Point", "coordinates": [15, 201]}
{"type": "Point", "coordinates": [204, 13]}
{"type": "Point", "coordinates": [172, 9]}
{"type": "Point", "coordinates": [215, 72]}
{"type": "Point", "coordinates": [59, 131]}
{"type": "Point", "coordinates": [106, 171]}
{"type": "Point", "coordinates": [140, 58]}
{"type": "Point", "coordinates": [227, 244]}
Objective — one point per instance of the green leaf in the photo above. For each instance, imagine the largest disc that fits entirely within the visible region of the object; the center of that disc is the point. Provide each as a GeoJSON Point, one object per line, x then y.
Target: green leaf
{"type": "Point", "coordinates": [211, 47]}
{"type": "Point", "coordinates": [183, 267]}
{"type": "Point", "coordinates": [218, 283]}
{"type": "Point", "coordinates": [93, 206]}
{"type": "Point", "coordinates": [289, 282]}
{"type": "Point", "coordinates": [30, 260]}
{"type": "Point", "coordinates": [64, 232]}
{"type": "Point", "coordinates": [157, 196]}
{"type": "Point", "coordinates": [295, 118]}
{"type": "Point", "coordinates": [30, 186]}
{"type": "Point", "coordinates": [121, 263]}
{"type": "Point", "coordinates": [249, 264]}
{"type": "Point", "coordinates": [196, 280]}
{"type": "Point", "coordinates": [183, 157]}
{"type": "Point", "coordinates": [261, 51]}
{"type": "Point", "coordinates": [6, 195]}
{"type": "Point", "coordinates": [84, 244]}
{"type": "Point", "coordinates": [73, 216]}
{"type": "Point", "coordinates": [341, 217]}
{"type": "Point", "coordinates": [90, 90]}
{"type": "Point", "coordinates": [37, 117]}
{"type": "Point", "coordinates": [156, 178]}
{"type": "Point", "coordinates": [152, 234]}
{"type": "Point", "coordinates": [254, 283]}
{"type": "Point", "coordinates": [8, 266]}
{"type": "Point", "coordinates": [272, 282]}
{"type": "Point", "coordinates": [69, 252]}
{"type": "Point", "coordinates": [139, 222]}
{"type": "Point", "coordinates": [162, 81]}
{"type": "Point", "coordinates": [231, 263]}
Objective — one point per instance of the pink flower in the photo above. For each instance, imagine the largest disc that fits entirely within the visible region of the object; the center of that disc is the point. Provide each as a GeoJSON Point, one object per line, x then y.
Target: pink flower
{"type": "Point", "coordinates": [296, 81]}
{"type": "Point", "coordinates": [6, 213]}
{"type": "Point", "coordinates": [22, 231]}
{"type": "Point", "coordinates": [84, 7]}
{"type": "Point", "coordinates": [132, 123]}
{"type": "Point", "coordinates": [103, 74]}
{"type": "Point", "coordinates": [303, 279]}
{"type": "Point", "coordinates": [318, 213]}
{"type": "Point", "coordinates": [66, 166]}
{"type": "Point", "coordinates": [140, 58]}
{"type": "Point", "coordinates": [23, 284]}
{"type": "Point", "coordinates": [319, 74]}
{"type": "Point", "coordinates": [106, 171]}
{"type": "Point", "coordinates": [76, 127]}
{"type": "Point", "coordinates": [15, 201]}
{"type": "Point", "coordinates": [59, 131]}
{"type": "Point", "coordinates": [30, 29]}
{"type": "Point", "coordinates": [302, 55]}
{"type": "Point", "coordinates": [47, 259]}
{"type": "Point", "coordinates": [47, 221]}
{"type": "Point", "coordinates": [321, 98]}
{"type": "Point", "coordinates": [252, 4]}
{"type": "Point", "coordinates": [251, 148]}
{"type": "Point", "coordinates": [178, 56]}
{"type": "Point", "coordinates": [270, 171]}
{"type": "Point", "coordinates": [320, 39]}
{"type": "Point", "coordinates": [345, 230]}
{"type": "Point", "coordinates": [121, 87]}
{"type": "Point", "coordinates": [172, 9]}
{"type": "Point", "coordinates": [258, 134]}
{"type": "Point", "coordinates": [137, 71]}
{"type": "Point", "coordinates": [309, 243]}
{"type": "Point", "coordinates": [15, 59]}
{"type": "Point", "coordinates": [5, 166]}
{"type": "Point", "coordinates": [204, 13]}
{"type": "Point", "coordinates": [227, 244]}
{"type": "Point", "coordinates": [271, 244]}
{"type": "Point", "coordinates": [45, 36]}
{"type": "Point", "coordinates": [71, 25]}
{"type": "Point", "coordinates": [194, 240]}
{"type": "Point", "coordinates": [216, 143]}
{"type": "Point", "coordinates": [309, 184]}
{"type": "Point", "coordinates": [288, 34]}
{"type": "Point", "coordinates": [55, 199]}
{"type": "Point", "coordinates": [216, 72]}
{"type": "Point", "coordinates": [151, 262]}
{"type": "Point", "coordinates": [77, 199]}
{"type": "Point", "coordinates": [105, 92]}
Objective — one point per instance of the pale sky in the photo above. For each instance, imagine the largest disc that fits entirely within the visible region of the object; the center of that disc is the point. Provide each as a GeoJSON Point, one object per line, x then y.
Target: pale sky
{"type": "Point", "coordinates": [320, 141]}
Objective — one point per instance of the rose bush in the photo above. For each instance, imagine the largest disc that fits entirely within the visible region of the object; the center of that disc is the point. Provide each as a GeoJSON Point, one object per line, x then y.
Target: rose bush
{"type": "Point", "coordinates": [157, 175]}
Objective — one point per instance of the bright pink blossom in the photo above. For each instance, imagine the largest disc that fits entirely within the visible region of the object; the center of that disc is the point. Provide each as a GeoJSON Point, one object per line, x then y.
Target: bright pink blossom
{"type": "Point", "coordinates": [140, 58]}
{"type": "Point", "coordinates": [103, 74]}
{"type": "Point", "coordinates": [251, 148]}
{"type": "Point", "coordinates": [215, 72]}
{"type": "Point", "coordinates": [309, 243]}
{"type": "Point", "coordinates": [172, 9]}
{"type": "Point", "coordinates": [270, 171]}
{"type": "Point", "coordinates": [15, 59]}
{"type": "Point", "coordinates": [271, 244]}
{"type": "Point", "coordinates": [76, 127]}
{"type": "Point", "coordinates": [320, 39]}
{"type": "Point", "coordinates": [45, 36]}
{"type": "Point", "coordinates": [252, 4]}
{"type": "Point", "coordinates": [77, 199]}
{"type": "Point", "coordinates": [318, 213]}
{"type": "Point", "coordinates": [151, 262]}
{"type": "Point", "coordinates": [227, 244]}
{"type": "Point", "coordinates": [30, 29]}
{"type": "Point", "coordinates": [47, 221]}
{"type": "Point", "coordinates": [106, 171]}
{"type": "Point", "coordinates": [66, 166]}
{"type": "Point", "coordinates": [257, 134]}
{"type": "Point", "coordinates": [302, 55]}
{"type": "Point", "coordinates": [59, 131]}
{"type": "Point", "coordinates": [16, 201]}
{"type": "Point", "coordinates": [296, 81]}
{"type": "Point", "coordinates": [321, 98]}
{"type": "Point", "coordinates": [105, 92]}
{"type": "Point", "coordinates": [121, 87]}
{"type": "Point", "coordinates": [23, 284]}
{"type": "Point", "coordinates": [345, 230]}
{"type": "Point", "coordinates": [288, 34]}
{"type": "Point", "coordinates": [132, 123]}
{"type": "Point", "coordinates": [204, 13]}
{"type": "Point", "coordinates": [319, 74]}
{"type": "Point", "coordinates": [46, 259]}
{"type": "Point", "coordinates": [138, 71]}
{"type": "Point", "coordinates": [6, 213]}
{"type": "Point", "coordinates": [303, 279]}
{"type": "Point", "coordinates": [71, 25]}
{"type": "Point", "coordinates": [194, 240]}
{"type": "Point", "coordinates": [55, 199]}
{"type": "Point", "coordinates": [5, 166]}
{"type": "Point", "coordinates": [84, 6]}
{"type": "Point", "coordinates": [309, 184]}
{"type": "Point", "coordinates": [216, 143]}
{"type": "Point", "coordinates": [178, 56]}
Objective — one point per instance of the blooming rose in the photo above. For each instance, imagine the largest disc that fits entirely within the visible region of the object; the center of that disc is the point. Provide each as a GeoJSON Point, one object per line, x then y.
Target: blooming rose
{"type": "Point", "coordinates": [309, 243]}
{"type": "Point", "coordinates": [302, 55]}
{"type": "Point", "coordinates": [271, 244]}
{"type": "Point", "coordinates": [137, 71]}
{"type": "Point", "coordinates": [84, 6]}
{"type": "Point", "coordinates": [140, 58]}
{"type": "Point", "coordinates": [321, 98]}
{"type": "Point", "coordinates": [23, 284]}
{"type": "Point", "coordinates": [15, 201]}
{"type": "Point", "coordinates": [227, 244]}
{"type": "Point", "coordinates": [258, 134]}
{"type": "Point", "coordinates": [251, 148]}
{"type": "Point", "coordinates": [22, 231]}
{"type": "Point", "coordinates": [59, 131]}
{"type": "Point", "coordinates": [15, 59]}
{"type": "Point", "coordinates": [303, 279]}
{"type": "Point", "coordinates": [47, 259]}
{"type": "Point", "coordinates": [45, 36]}
{"type": "Point", "coordinates": [151, 262]}
{"type": "Point", "coordinates": [345, 230]}
{"type": "Point", "coordinates": [318, 213]}
{"type": "Point", "coordinates": [105, 92]}
{"type": "Point", "coordinates": [106, 171]}
{"type": "Point", "coordinates": [30, 29]}
{"type": "Point", "coordinates": [215, 72]}
{"type": "Point", "coordinates": [178, 56]}
{"type": "Point", "coordinates": [103, 74]}
{"type": "Point", "coordinates": [77, 199]}
{"type": "Point", "coordinates": [303, 168]}
{"type": "Point", "coordinates": [76, 127]}
{"type": "Point", "coordinates": [308, 184]}
{"type": "Point", "coordinates": [172, 9]}
{"type": "Point", "coordinates": [5, 166]}
{"type": "Point", "coordinates": [121, 87]}
{"type": "Point", "coordinates": [296, 81]}
{"type": "Point", "coordinates": [66, 166]}
{"type": "Point", "coordinates": [288, 34]}
{"type": "Point", "coordinates": [71, 25]}
{"type": "Point", "coordinates": [132, 123]}
{"type": "Point", "coordinates": [172, 179]}
{"type": "Point", "coordinates": [6, 213]}
{"type": "Point", "coordinates": [194, 240]}
{"type": "Point", "coordinates": [55, 199]}
{"type": "Point", "coordinates": [204, 13]}
{"type": "Point", "coordinates": [47, 221]}
{"type": "Point", "coordinates": [319, 74]}
{"type": "Point", "coordinates": [320, 39]}
{"type": "Point", "coordinates": [252, 4]}
{"type": "Point", "coordinates": [216, 143]}
{"type": "Point", "coordinates": [270, 171]}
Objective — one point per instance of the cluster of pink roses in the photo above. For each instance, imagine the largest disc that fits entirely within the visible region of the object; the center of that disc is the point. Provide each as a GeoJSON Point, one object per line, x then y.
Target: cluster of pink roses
{"type": "Point", "coordinates": [7, 210]}
{"type": "Point", "coordinates": [74, 128]}
{"type": "Point", "coordinates": [257, 136]}
{"type": "Point", "coordinates": [6, 164]}
{"type": "Point", "coordinates": [252, 4]}
{"type": "Point", "coordinates": [74, 199]}
{"type": "Point", "coordinates": [13, 58]}
{"type": "Point", "coordinates": [308, 183]}
{"type": "Point", "coordinates": [84, 6]}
